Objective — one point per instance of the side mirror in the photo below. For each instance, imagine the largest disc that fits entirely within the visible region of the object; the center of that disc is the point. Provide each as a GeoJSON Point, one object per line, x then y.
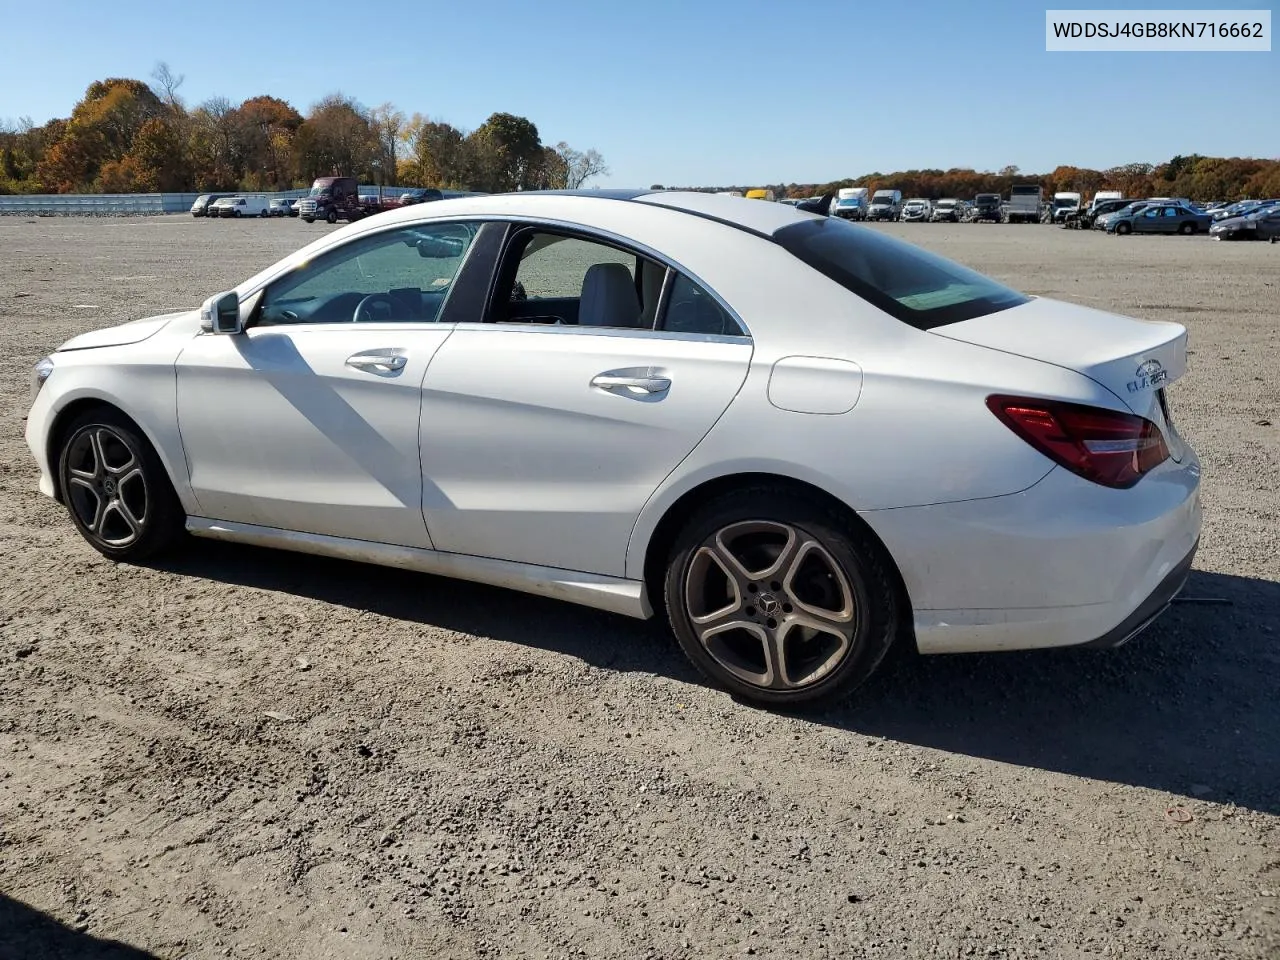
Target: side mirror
{"type": "Point", "coordinates": [221, 314]}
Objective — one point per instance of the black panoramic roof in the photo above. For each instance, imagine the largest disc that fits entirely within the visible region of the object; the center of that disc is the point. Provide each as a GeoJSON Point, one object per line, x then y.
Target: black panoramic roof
{"type": "Point", "coordinates": [612, 193]}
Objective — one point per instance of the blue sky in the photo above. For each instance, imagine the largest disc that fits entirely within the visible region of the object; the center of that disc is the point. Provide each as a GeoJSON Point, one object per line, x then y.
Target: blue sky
{"type": "Point", "coordinates": [694, 92]}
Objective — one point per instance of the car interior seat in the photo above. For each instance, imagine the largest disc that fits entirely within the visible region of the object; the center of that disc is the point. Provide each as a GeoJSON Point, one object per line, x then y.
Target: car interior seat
{"type": "Point", "coordinates": [608, 297]}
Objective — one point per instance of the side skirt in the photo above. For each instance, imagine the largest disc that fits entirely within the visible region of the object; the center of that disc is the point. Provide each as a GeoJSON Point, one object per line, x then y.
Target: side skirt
{"type": "Point", "coordinates": [614, 594]}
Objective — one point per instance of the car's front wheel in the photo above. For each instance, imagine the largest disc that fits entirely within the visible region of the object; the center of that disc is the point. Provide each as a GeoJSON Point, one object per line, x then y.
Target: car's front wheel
{"type": "Point", "coordinates": [779, 599]}
{"type": "Point", "coordinates": [116, 489]}
{"type": "Point", "coordinates": [1123, 228]}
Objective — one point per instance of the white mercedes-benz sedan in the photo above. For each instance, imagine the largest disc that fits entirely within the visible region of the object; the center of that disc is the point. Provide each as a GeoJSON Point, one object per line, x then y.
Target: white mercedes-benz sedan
{"type": "Point", "coordinates": [795, 438]}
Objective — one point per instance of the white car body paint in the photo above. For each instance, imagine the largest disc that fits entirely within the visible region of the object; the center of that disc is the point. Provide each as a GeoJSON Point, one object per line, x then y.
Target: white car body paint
{"type": "Point", "coordinates": [531, 478]}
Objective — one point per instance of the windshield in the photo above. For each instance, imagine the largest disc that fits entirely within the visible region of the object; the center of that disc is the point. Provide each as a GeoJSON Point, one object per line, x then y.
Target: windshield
{"type": "Point", "coordinates": [945, 203]}
{"type": "Point", "coordinates": [1065, 202]}
{"type": "Point", "coordinates": [917, 287]}
{"type": "Point", "coordinates": [849, 202]}
{"type": "Point", "coordinates": [319, 191]}
{"type": "Point", "coordinates": [987, 199]}
{"type": "Point", "coordinates": [915, 204]}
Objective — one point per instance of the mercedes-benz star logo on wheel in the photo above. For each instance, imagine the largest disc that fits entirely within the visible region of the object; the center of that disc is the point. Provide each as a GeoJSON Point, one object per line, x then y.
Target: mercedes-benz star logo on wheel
{"type": "Point", "coordinates": [769, 605]}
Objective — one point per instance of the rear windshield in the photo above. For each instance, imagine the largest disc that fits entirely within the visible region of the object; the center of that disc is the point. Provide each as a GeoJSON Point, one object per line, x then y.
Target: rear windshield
{"type": "Point", "coordinates": [906, 282]}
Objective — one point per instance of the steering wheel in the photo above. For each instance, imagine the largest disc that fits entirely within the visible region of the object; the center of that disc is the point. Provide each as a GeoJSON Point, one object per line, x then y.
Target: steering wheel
{"type": "Point", "coordinates": [364, 311]}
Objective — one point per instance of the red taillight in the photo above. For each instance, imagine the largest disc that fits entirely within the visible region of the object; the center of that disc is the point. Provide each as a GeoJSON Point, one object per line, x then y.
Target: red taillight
{"type": "Point", "coordinates": [1108, 447]}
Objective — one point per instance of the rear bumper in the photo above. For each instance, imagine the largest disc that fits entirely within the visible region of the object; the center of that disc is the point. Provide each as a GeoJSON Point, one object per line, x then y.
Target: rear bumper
{"type": "Point", "coordinates": [1064, 563]}
{"type": "Point", "coordinates": [1150, 609]}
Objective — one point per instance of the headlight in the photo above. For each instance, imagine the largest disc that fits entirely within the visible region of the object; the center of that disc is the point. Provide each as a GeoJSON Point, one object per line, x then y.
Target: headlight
{"type": "Point", "coordinates": [39, 374]}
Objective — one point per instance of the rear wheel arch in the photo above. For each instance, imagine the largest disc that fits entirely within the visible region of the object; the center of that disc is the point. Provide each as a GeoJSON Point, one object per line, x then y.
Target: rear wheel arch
{"type": "Point", "coordinates": [663, 538]}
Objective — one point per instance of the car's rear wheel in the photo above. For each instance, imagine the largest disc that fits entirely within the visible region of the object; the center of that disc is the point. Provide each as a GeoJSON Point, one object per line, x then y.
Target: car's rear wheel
{"type": "Point", "coordinates": [116, 489]}
{"type": "Point", "coordinates": [1123, 228]}
{"type": "Point", "coordinates": [331, 217]}
{"type": "Point", "coordinates": [779, 599]}
{"type": "Point", "coordinates": [1187, 229]}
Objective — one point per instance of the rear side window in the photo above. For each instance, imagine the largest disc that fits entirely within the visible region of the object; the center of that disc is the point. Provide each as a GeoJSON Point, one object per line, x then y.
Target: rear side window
{"type": "Point", "coordinates": [910, 284]}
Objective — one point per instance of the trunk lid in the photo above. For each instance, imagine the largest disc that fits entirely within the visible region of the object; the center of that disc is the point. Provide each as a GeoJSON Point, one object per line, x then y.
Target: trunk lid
{"type": "Point", "coordinates": [1134, 359]}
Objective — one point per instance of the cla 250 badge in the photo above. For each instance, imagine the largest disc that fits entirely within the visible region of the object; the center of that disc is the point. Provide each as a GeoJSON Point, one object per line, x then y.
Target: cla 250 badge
{"type": "Point", "coordinates": [1150, 374]}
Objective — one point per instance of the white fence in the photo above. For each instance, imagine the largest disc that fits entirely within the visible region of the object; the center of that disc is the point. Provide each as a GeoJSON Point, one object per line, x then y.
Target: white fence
{"type": "Point", "coordinates": [131, 204]}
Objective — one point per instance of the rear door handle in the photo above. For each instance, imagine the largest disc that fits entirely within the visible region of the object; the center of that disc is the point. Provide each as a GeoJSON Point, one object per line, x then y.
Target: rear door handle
{"type": "Point", "coordinates": [377, 361]}
{"type": "Point", "coordinates": [625, 385]}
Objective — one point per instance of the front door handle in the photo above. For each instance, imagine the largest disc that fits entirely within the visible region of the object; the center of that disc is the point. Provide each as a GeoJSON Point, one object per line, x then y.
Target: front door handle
{"type": "Point", "coordinates": [377, 361]}
{"type": "Point", "coordinates": [624, 385]}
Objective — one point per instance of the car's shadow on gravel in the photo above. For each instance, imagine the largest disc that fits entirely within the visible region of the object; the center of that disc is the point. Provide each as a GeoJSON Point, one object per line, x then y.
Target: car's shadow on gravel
{"type": "Point", "coordinates": [26, 932]}
{"type": "Point", "coordinates": [1191, 706]}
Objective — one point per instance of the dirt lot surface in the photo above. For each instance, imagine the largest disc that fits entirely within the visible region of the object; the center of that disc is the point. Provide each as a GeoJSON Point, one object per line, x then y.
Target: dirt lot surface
{"type": "Point", "coordinates": [466, 772]}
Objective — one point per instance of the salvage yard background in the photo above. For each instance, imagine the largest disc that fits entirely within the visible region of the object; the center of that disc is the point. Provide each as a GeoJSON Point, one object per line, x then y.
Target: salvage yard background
{"type": "Point", "coordinates": [462, 771]}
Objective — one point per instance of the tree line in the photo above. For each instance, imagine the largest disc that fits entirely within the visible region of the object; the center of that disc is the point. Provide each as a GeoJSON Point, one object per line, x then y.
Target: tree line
{"type": "Point", "coordinates": [1193, 177]}
{"type": "Point", "coordinates": [127, 136]}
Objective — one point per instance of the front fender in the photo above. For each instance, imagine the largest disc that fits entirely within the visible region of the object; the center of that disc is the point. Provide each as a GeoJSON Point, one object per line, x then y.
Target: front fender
{"type": "Point", "coordinates": [139, 380]}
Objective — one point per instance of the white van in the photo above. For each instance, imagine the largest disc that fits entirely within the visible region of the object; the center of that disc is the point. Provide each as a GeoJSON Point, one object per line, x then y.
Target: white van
{"type": "Point", "coordinates": [852, 203]}
{"type": "Point", "coordinates": [246, 205]}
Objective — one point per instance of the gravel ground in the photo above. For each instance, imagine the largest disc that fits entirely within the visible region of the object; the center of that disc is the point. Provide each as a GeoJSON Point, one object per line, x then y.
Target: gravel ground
{"type": "Point", "coordinates": [466, 772]}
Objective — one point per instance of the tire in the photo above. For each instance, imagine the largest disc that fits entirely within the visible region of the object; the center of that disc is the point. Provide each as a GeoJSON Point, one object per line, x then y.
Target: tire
{"type": "Point", "coordinates": [309, 219]}
{"type": "Point", "coordinates": [237, 214]}
{"type": "Point", "coordinates": [1187, 229]}
{"type": "Point", "coordinates": [331, 217]}
{"type": "Point", "coordinates": [838, 577]}
{"type": "Point", "coordinates": [265, 214]}
{"type": "Point", "coordinates": [1123, 229]}
{"type": "Point", "coordinates": [116, 489]}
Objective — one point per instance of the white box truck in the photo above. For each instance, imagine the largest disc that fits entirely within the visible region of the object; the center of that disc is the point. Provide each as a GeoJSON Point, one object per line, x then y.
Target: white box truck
{"type": "Point", "coordinates": [852, 203]}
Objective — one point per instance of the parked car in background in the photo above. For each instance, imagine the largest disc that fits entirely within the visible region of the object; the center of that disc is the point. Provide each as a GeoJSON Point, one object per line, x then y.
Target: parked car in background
{"type": "Point", "coordinates": [1237, 209]}
{"type": "Point", "coordinates": [1103, 208]}
{"type": "Point", "coordinates": [760, 194]}
{"type": "Point", "coordinates": [931, 458]}
{"type": "Point", "coordinates": [1262, 224]}
{"type": "Point", "coordinates": [248, 205]}
{"type": "Point", "coordinates": [916, 210]}
{"type": "Point", "coordinates": [420, 195]}
{"type": "Point", "coordinates": [1161, 218]}
{"type": "Point", "coordinates": [214, 210]}
{"type": "Point", "coordinates": [885, 205]}
{"type": "Point", "coordinates": [1128, 209]}
{"type": "Point", "coordinates": [1064, 205]}
{"type": "Point", "coordinates": [281, 207]}
{"type": "Point", "coordinates": [986, 206]}
{"type": "Point", "coordinates": [203, 202]}
{"type": "Point", "coordinates": [1103, 196]}
{"type": "Point", "coordinates": [949, 209]}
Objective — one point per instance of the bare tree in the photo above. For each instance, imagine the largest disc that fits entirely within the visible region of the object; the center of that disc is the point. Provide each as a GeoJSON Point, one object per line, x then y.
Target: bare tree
{"type": "Point", "coordinates": [166, 85]}
{"type": "Point", "coordinates": [580, 167]}
{"type": "Point", "coordinates": [386, 123]}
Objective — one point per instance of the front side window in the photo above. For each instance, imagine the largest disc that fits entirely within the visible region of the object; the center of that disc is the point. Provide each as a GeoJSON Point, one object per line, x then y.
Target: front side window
{"type": "Point", "coordinates": [910, 284]}
{"type": "Point", "coordinates": [396, 276]}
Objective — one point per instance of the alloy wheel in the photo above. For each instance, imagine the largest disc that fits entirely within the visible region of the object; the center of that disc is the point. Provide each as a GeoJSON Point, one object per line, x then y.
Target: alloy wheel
{"type": "Point", "coordinates": [106, 486]}
{"type": "Point", "coordinates": [770, 604]}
